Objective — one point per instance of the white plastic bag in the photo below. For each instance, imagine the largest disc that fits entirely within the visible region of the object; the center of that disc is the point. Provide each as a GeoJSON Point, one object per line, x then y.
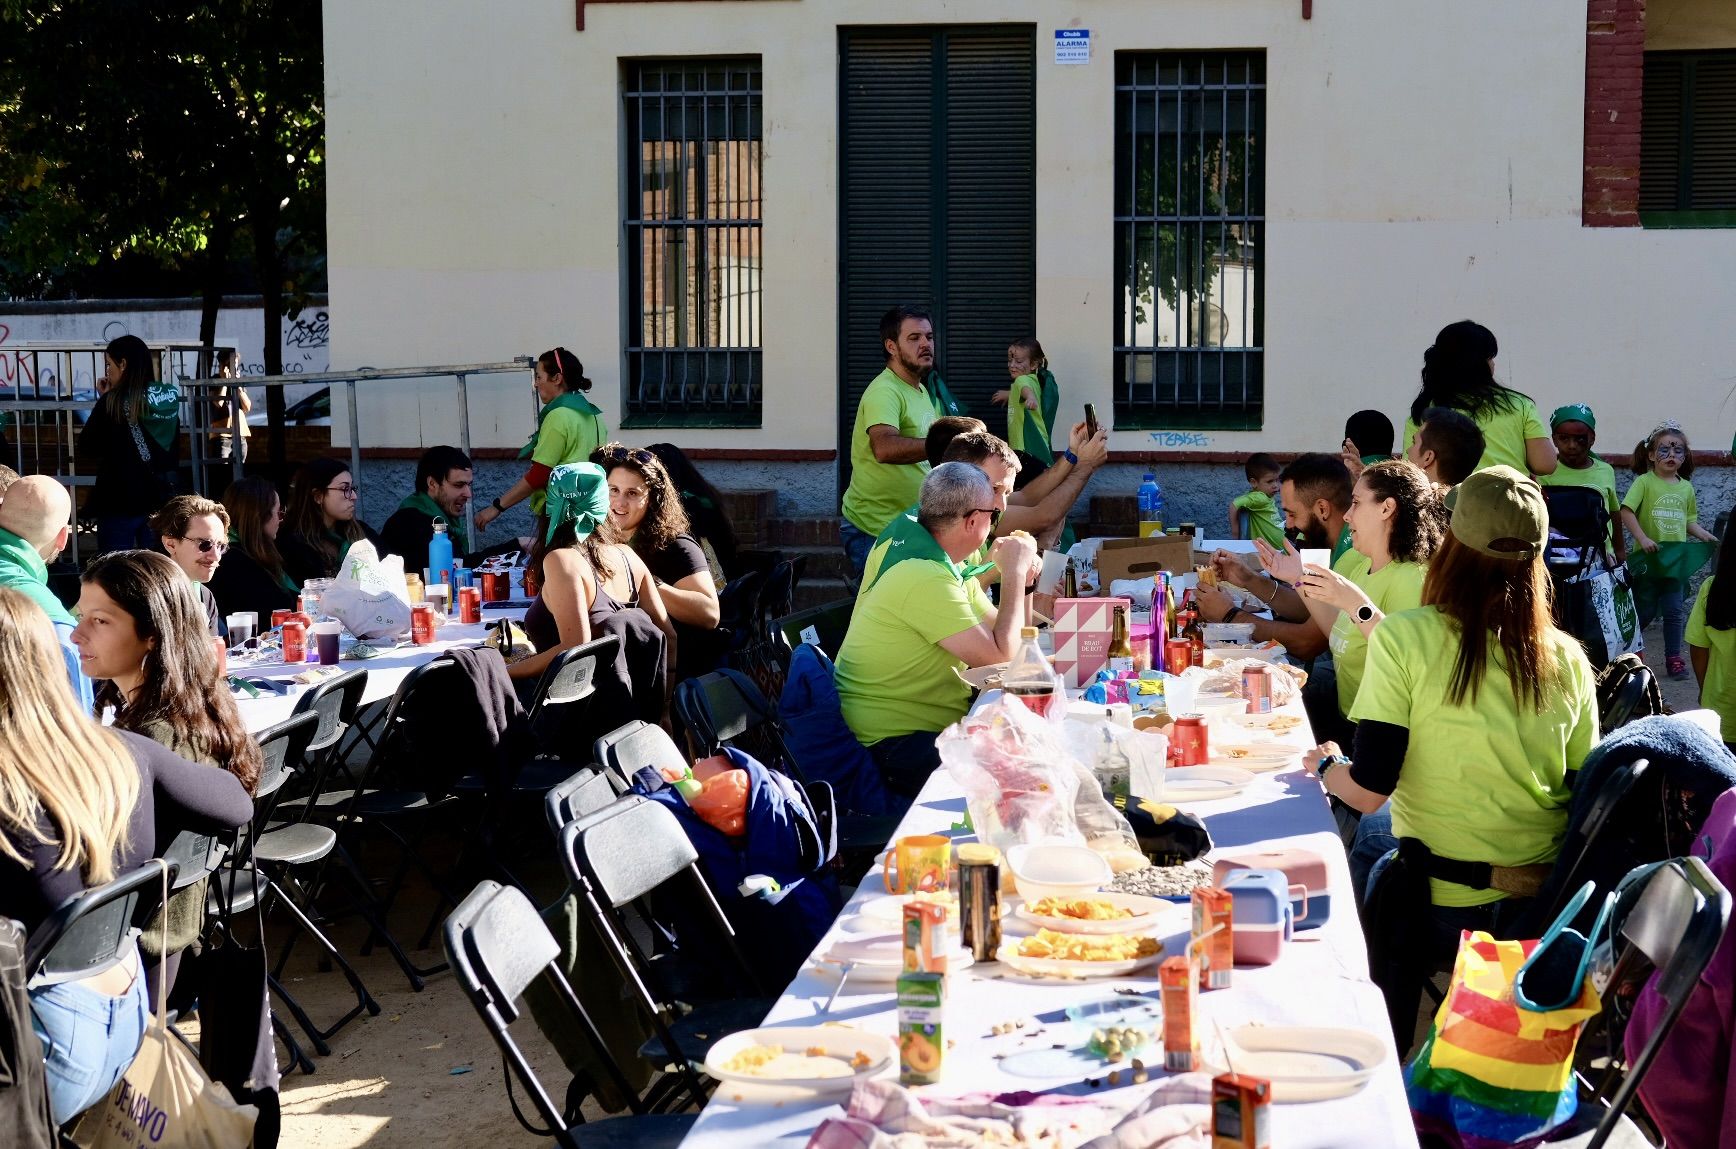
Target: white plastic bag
{"type": "Point", "coordinates": [1019, 780]}
{"type": "Point", "coordinates": [369, 596]}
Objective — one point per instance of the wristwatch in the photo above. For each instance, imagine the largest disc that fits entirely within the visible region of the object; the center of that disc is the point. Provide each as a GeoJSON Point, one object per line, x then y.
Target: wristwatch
{"type": "Point", "coordinates": [1328, 763]}
{"type": "Point", "coordinates": [1070, 456]}
{"type": "Point", "coordinates": [495, 503]}
{"type": "Point", "coordinates": [1363, 614]}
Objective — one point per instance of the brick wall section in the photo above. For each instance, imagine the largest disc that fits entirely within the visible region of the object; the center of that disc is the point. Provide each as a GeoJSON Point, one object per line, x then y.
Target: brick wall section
{"type": "Point", "coordinates": [1615, 43]}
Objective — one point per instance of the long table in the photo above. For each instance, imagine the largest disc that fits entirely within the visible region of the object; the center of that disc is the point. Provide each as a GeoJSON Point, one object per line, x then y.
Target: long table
{"type": "Point", "coordinates": [385, 672]}
{"type": "Point", "coordinates": [1322, 980]}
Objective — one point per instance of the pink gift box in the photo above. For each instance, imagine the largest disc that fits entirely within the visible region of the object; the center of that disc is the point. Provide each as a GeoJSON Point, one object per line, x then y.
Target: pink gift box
{"type": "Point", "coordinates": [1082, 630]}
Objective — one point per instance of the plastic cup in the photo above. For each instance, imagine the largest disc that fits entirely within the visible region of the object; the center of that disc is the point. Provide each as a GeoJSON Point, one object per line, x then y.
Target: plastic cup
{"type": "Point", "coordinates": [440, 595]}
{"type": "Point", "coordinates": [240, 629]}
{"type": "Point", "coordinates": [326, 636]}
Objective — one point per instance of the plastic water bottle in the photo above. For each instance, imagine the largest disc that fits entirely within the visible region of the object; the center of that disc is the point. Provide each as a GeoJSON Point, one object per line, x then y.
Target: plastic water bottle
{"type": "Point", "coordinates": [1029, 677]}
{"type": "Point", "coordinates": [1150, 507]}
{"type": "Point", "coordinates": [440, 557]}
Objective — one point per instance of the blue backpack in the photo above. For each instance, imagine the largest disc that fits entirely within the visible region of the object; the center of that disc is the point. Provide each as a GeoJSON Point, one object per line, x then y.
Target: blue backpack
{"type": "Point", "coordinates": [819, 740]}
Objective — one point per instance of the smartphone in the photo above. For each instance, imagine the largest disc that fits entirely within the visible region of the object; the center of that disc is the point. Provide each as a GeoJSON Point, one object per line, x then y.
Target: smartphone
{"type": "Point", "coordinates": [1090, 420]}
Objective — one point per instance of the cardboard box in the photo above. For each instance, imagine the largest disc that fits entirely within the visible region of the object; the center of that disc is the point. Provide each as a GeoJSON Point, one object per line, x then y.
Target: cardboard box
{"type": "Point", "coordinates": [1141, 558]}
{"type": "Point", "coordinates": [1082, 629]}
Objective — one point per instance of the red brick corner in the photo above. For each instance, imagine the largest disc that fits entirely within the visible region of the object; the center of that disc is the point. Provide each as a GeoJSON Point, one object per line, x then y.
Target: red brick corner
{"type": "Point", "coordinates": [1615, 44]}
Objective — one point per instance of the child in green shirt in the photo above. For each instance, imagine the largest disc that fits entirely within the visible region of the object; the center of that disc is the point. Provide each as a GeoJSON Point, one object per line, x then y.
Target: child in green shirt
{"type": "Point", "coordinates": [1660, 510]}
{"type": "Point", "coordinates": [1574, 430]}
{"type": "Point", "coordinates": [1260, 501]}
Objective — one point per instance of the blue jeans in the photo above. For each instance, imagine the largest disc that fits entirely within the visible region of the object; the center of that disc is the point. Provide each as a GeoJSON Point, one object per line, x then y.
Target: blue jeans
{"type": "Point", "coordinates": [88, 1040]}
{"type": "Point", "coordinates": [905, 762]}
{"type": "Point", "coordinates": [1673, 606]}
{"type": "Point", "coordinates": [857, 543]}
{"type": "Point", "coordinates": [1374, 840]}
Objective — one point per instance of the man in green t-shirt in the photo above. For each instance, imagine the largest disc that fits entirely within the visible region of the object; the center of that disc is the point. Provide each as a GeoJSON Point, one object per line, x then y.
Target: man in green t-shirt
{"type": "Point", "coordinates": [888, 449]}
{"type": "Point", "coordinates": [923, 619]}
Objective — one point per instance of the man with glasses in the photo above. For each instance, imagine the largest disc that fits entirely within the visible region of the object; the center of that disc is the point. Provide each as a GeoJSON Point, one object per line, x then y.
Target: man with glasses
{"type": "Point", "coordinates": [923, 619]}
{"type": "Point", "coordinates": [195, 533]}
{"type": "Point", "coordinates": [35, 524]}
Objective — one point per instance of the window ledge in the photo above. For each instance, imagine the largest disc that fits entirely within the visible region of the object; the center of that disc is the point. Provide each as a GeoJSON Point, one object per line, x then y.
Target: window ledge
{"type": "Point", "coordinates": [1687, 219]}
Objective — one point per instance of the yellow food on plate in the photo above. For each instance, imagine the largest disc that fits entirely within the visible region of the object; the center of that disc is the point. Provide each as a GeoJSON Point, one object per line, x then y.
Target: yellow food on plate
{"type": "Point", "coordinates": [861, 1060]}
{"type": "Point", "coordinates": [1053, 946]}
{"type": "Point", "coordinates": [775, 1063]}
{"type": "Point", "coordinates": [754, 1057]}
{"type": "Point", "coordinates": [1080, 909]}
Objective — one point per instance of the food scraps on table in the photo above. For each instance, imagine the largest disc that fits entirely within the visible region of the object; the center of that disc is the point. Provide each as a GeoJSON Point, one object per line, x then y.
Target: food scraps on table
{"type": "Point", "coordinates": [774, 1062]}
{"type": "Point", "coordinates": [1079, 909]}
{"type": "Point", "coordinates": [1052, 945]}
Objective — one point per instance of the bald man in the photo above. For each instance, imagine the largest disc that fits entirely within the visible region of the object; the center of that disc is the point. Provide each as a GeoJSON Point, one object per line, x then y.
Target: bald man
{"type": "Point", "coordinates": [35, 522]}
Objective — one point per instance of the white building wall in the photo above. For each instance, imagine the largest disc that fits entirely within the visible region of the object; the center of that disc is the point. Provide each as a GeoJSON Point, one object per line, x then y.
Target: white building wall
{"type": "Point", "coordinates": [1423, 165]}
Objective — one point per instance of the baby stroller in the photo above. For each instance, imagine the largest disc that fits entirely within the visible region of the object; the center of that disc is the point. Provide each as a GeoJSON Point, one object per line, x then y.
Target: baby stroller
{"type": "Point", "coordinates": [1593, 596]}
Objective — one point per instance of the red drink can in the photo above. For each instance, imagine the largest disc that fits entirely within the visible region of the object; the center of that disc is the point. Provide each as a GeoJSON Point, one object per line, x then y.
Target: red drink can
{"type": "Point", "coordinates": [496, 586]}
{"type": "Point", "coordinates": [469, 604]}
{"type": "Point", "coordinates": [278, 616]}
{"type": "Point", "coordinates": [1257, 689]}
{"type": "Point", "coordinates": [294, 639]}
{"type": "Point", "coordinates": [422, 624]}
{"type": "Point", "coordinates": [1188, 741]}
{"type": "Point", "coordinates": [1177, 655]}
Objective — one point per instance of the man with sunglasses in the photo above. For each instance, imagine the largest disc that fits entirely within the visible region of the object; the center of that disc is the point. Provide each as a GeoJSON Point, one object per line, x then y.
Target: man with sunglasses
{"type": "Point", "coordinates": [195, 533]}
{"type": "Point", "coordinates": [923, 618]}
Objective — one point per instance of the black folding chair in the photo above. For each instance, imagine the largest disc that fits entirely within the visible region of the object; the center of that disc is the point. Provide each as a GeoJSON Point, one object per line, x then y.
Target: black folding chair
{"type": "Point", "coordinates": [94, 930]}
{"type": "Point", "coordinates": [567, 682]}
{"type": "Point", "coordinates": [636, 746]}
{"type": "Point", "coordinates": [615, 859]}
{"type": "Point", "coordinates": [334, 702]}
{"type": "Point", "coordinates": [497, 945]}
{"type": "Point", "coordinates": [1582, 848]}
{"type": "Point", "coordinates": [584, 793]}
{"type": "Point", "coordinates": [777, 596]}
{"type": "Point", "coordinates": [824, 625]}
{"type": "Point", "coordinates": [1674, 926]}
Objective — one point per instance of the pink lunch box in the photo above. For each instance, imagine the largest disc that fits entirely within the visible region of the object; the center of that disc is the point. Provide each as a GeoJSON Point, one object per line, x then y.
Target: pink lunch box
{"type": "Point", "coordinates": [1301, 868]}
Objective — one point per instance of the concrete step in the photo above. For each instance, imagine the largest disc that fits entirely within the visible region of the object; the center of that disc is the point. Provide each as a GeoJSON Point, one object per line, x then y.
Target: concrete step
{"type": "Point", "coordinates": [820, 591]}
{"type": "Point", "coordinates": [810, 532]}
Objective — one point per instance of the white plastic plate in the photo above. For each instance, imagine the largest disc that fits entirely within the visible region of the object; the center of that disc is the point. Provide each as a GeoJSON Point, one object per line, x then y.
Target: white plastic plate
{"type": "Point", "coordinates": [830, 1068]}
{"type": "Point", "coordinates": [1009, 956]}
{"type": "Point", "coordinates": [1201, 783]}
{"type": "Point", "coordinates": [1144, 919]}
{"type": "Point", "coordinates": [1306, 1063]}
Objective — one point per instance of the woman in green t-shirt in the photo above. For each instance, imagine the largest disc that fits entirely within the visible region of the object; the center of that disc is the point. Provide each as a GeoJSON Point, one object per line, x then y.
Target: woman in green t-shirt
{"type": "Point", "coordinates": [1712, 638]}
{"type": "Point", "coordinates": [1459, 372]}
{"type": "Point", "coordinates": [568, 428]}
{"type": "Point", "coordinates": [1473, 711]}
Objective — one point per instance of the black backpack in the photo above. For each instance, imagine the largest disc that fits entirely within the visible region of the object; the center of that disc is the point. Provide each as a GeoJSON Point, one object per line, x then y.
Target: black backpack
{"type": "Point", "coordinates": [1627, 689]}
{"type": "Point", "coordinates": [1579, 523]}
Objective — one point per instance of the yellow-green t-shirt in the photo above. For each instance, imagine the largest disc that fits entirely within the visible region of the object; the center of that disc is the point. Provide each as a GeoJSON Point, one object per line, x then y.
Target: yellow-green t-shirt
{"type": "Point", "coordinates": [566, 436]}
{"type": "Point", "coordinates": [879, 490]}
{"type": "Point", "coordinates": [1264, 521]}
{"type": "Point", "coordinates": [1663, 508]}
{"type": "Point", "coordinates": [883, 542]}
{"type": "Point", "coordinates": [1022, 422]}
{"type": "Point", "coordinates": [1393, 588]}
{"type": "Point", "coordinates": [1718, 689]}
{"type": "Point", "coordinates": [1505, 430]}
{"type": "Point", "coordinates": [893, 676]}
{"type": "Point", "coordinates": [1486, 780]}
{"type": "Point", "coordinates": [1599, 476]}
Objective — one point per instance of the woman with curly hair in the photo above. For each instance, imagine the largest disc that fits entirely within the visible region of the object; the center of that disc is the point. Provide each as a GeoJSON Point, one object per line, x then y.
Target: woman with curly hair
{"type": "Point", "coordinates": [646, 513]}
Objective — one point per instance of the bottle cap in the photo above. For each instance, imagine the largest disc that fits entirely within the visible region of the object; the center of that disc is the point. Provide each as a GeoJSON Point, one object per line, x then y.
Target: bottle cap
{"type": "Point", "coordinates": [1028, 632]}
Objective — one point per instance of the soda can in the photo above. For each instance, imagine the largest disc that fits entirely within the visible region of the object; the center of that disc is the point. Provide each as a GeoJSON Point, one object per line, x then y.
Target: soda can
{"type": "Point", "coordinates": [1177, 655]}
{"type": "Point", "coordinates": [1257, 689]}
{"type": "Point", "coordinates": [1214, 937]}
{"type": "Point", "coordinates": [979, 899]}
{"type": "Point", "coordinates": [422, 624]}
{"type": "Point", "coordinates": [279, 615]}
{"type": "Point", "coordinates": [1241, 1112]}
{"type": "Point", "coordinates": [496, 586]}
{"type": "Point", "coordinates": [1189, 745]}
{"type": "Point", "coordinates": [469, 604]}
{"type": "Point", "coordinates": [1179, 991]}
{"type": "Point", "coordinates": [294, 639]}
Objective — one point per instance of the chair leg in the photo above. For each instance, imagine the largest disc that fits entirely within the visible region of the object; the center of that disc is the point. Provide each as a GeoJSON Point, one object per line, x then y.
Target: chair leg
{"type": "Point", "coordinates": [367, 908]}
{"type": "Point", "coordinates": [301, 1018]}
{"type": "Point", "coordinates": [297, 1058]}
{"type": "Point", "coordinates": [364, 999]}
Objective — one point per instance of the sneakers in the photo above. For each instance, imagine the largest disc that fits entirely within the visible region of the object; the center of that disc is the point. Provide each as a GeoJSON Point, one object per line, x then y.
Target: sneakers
{"type": "Point", "coordinates": [1676, 665]}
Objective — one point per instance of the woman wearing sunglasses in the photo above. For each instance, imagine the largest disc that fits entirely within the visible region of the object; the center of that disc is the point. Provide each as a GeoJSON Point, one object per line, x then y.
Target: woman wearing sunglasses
{"type": "Point", "coordinates": [195, 532]}
{"type": "Point", "coordinates": [568, 428]}
{"type": "Point", "coordinates": [645, 510]}
{"type": "Point", "coordinates": [322, 521]}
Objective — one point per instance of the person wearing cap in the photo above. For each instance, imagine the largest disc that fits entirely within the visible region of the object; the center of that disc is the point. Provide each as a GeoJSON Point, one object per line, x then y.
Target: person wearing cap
{"type": "Point", "coordinates": [1574, 429]}
{"type": "Point", "coordinates": [590, 585]}
{"type": "Point", "coordinates": [1473, 712]}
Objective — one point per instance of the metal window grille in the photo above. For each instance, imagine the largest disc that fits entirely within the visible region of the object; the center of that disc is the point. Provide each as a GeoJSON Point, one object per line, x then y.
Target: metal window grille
{"type": "Point", "coordinates": [692, 216]}
{"type": "Point", "coordinates": [1190, 204]}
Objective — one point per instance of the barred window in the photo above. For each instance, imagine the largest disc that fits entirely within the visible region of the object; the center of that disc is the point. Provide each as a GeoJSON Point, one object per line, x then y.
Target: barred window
{"type": "Point", "coordinates": [692, 217]}
{"type": "Point", "coordinates": [1190, 203]}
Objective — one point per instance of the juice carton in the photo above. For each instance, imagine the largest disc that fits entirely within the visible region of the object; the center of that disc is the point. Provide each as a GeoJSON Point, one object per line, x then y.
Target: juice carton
{"type": "Point", "coordinates": [921, 1045]}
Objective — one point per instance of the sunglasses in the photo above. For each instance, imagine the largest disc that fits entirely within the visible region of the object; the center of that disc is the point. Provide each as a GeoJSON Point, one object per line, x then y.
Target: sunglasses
{"type": "Point", "coordinates": [616, 453]}
{"type": "Point", "coordinates": [348, 490]}
{"type": "Point", "coordinates": [206, 546]}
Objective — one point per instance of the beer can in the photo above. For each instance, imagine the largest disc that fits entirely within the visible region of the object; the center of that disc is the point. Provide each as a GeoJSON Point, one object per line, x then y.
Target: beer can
{"type": "Point", "coordinates": [1241, 1112]}
{"type": "Point", "coordinates": [469, 604]}
{"type": "Point", "coordinates": [1214, 935]}
{"type": "Point", "coordinates": [294, 640]}
{"type": "Point", "coordinates": [1257, 689]}
{"type": "Point", "coordinates": [1189, 745]}
{"type": "Point", "coordinates": [278, 615]}
{"type": "Point", "coordinates": [496, 586]}
{"type": "Point", "coordinates": [422, 623]}
{"type": "Point", "coordinates": [979, 899]}
{"type": "Point", "coordinates": [1177, 655]}
{"type": "Point", "coordinates": [1179, 991]}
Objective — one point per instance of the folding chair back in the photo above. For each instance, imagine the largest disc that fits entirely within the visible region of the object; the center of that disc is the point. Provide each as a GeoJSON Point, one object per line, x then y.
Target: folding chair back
{"type": "Point", "coordinates": [335, 702]}
{"type": "Point", "coordinates": [823, 626]}
{"type": "Point", "coordinates": [584, 793]}
{"type": "Point", "coordinates": [627, 750]}
{"type": "Point", "coordinates": [777, 596]}
{"type": "Point", "coordinates": [568, 680]}
{"type": "Point", "coordinates": [1585, 852]}
{"type": "Point", "coordinates": [283, 746]}
{"type": "Point", "coordinates": [194, 856]}
{"type": "Point", "coordinates": [725, 708]}
{"type": "Point", "coordinates": [95, 929]}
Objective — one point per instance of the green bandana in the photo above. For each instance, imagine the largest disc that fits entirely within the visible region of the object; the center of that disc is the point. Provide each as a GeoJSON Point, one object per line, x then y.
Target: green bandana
{"type": "Point", "coordinates": [577, 493]}
{"type": "Point", "coordinates": [23, 570]}
{"type": "Point", "coordinates": [568, 400]}
{"type": "Point", "coordinates": [907, 538]}
{"type": "Point", "coordinates": [1572, 413]}
{"type": "Point", "coordinates": [421, 501]}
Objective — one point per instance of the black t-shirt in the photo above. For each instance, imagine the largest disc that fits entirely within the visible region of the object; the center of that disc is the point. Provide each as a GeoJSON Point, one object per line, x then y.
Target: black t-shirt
{"type": "Point", "coordinates": [698, 650]}
{"type": "Point", "coordinates": [214, 620]}
{"type": "Point", "coordinates": [681, 558]}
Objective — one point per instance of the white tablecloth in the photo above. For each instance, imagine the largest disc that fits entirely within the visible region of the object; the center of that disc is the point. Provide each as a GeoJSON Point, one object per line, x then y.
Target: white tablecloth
{"type": "Point", "coordinates": [1321, 980]}
{"type": "Point", "coordinates": [384, 672]}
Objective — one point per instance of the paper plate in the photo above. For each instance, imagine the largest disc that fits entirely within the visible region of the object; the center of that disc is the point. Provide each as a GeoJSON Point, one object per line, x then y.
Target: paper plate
{"type": "Point", "coordinates": [1201, 783]}
{"type": "Point", "coordinates": [1144, 919]}
{"type": "Point", "coordinates": [817, 1057]}
{"type": "Point", "coordinates": [1273, 723]}
{"type": "Point", "coordinates": [878, 958]}
{"type": "Point", "coordinates": [1259, 757]}
{"type": "Point", "coordinates": [888, 909]}
{"type": "Point", "coordinates": [1009, 956]}
{"type": "Point", "coordinates": [1305, 1063]}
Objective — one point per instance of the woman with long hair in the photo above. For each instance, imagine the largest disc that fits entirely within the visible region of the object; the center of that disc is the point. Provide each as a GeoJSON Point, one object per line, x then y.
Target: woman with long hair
{"type": "Point", "coordinates": [321, 522]}
{"type": "Point", "coordinates": [704, 506]}
{"type": "Point", "coordinates": [79, 806]}
{"type": "Point", "coordinates": [142, 638]}
{"type": "Point", "coordinates": [589, 585]}
{"type": "Point", "coordinates": [568, 428]}
{"type": "Point", "coordinates": [1712, 638]}
{"type": "Point", "coordinates": [1474, 710]}
{"type": "Point", "coordinates": [645, 512]}
{"type": "Point", "coordinates": [252, 576]}
{"type": "Point", "coordinates": [1459, 373]}
{"type": "Point", "coordinates": [133, 439]}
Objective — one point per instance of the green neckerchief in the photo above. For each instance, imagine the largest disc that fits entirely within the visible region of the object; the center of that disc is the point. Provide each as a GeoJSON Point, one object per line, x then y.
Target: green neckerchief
{"type": "Point", "coordinates": [421, 501]}
{"type": "Point", "coordinates": [22, 569]}
{"type": "Point", "coordinates": [942, 398]}
{"type": "Point", "coordinates": [1050, 400]}
{"type": "Point", "coordinates": [907, 538]}
{"type": "Point", "coordinates": [283, 580]}
{"type": "Point", "coordinates": [1341, 546]}
{"type": "Point", "coordinates": [566, 400]}
{"type": "Point", "coordinates": [1039, 435]}
{"type": "Point", "coordinates": [162, 415]}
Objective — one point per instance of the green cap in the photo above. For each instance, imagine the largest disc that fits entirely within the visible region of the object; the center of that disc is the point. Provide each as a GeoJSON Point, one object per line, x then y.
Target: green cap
{"type": "Point", "coordinates": [1572, 413]}
{"type": "Point", "coordinates": [577, 493]}
{"type": "Point", "coordinates": [1500, 512]}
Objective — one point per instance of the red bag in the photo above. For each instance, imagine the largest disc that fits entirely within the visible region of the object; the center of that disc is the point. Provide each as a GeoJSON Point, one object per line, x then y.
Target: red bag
{"type": "Point", "coordinates": [722, 800]}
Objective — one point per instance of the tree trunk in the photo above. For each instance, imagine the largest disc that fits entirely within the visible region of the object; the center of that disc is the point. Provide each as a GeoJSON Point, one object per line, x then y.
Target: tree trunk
{"type": "Point", "coordinates": [268, 268]}
{"type": "Point", "coordinates": [216, 256]}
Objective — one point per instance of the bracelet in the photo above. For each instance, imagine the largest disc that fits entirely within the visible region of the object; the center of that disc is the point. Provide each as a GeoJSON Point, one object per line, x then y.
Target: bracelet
{"type": "Point", "coordinates": [1230, 615]}
{"type": "Point", "coordinates": [1274, 598]}
{"type": "Point", "coordinates": [1328, 763]}
{"type": "Point", "coordinates": [1070, 456]}
{"type": "Point", "coordinates": [495, 503]}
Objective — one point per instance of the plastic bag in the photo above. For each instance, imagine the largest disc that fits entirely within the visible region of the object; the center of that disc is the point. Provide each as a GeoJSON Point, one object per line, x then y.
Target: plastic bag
{"type": "Point", "coordinates": [722, 799]}
{"type": "Point", "coordinates": [1020, 781]}
{"type": "Point", "coordinates": [369, 596]}
{"type": "Point", "coordinates": [1107, 753]}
